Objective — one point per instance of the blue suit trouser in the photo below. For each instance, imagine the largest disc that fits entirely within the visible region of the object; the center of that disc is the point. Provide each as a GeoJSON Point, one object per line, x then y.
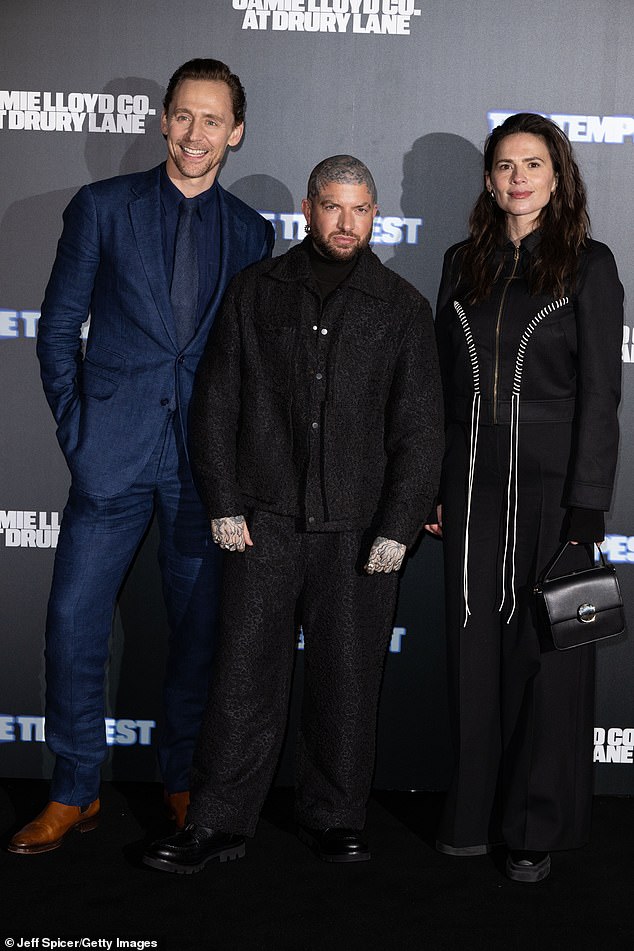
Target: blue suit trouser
{"type": "Point", "coordinates": [98, 540]}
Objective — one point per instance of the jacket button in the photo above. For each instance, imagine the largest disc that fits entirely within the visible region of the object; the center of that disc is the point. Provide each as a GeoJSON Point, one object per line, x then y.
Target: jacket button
{"type": "Point", "coordinates": [315, 425]}
{"type": "Point", "coordinates": [318, 376]}
{"type": "Point", "coordinates": [324, 331]}
{"type": "Point", "coordinates": [181, 361]}
{"type": "Point", "coordinates": [164, 401]}
{"type": "Point", "coordinates": [311, 519]}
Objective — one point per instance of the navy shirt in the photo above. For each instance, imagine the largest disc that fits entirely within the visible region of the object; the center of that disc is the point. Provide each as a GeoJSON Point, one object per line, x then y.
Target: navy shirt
{"type": "Point", "coordinates": [207, 225]}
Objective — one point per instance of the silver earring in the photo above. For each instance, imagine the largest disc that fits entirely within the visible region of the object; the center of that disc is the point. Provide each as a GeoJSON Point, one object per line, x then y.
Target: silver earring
{"type": "Point", "coordinates": [492, 194]}
{"type": "Point", "coordinates": [307, 228]}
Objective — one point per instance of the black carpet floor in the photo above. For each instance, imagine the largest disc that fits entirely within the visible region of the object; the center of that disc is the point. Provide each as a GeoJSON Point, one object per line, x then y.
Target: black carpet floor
{"type": "Point", "coordinates": [94, 890]}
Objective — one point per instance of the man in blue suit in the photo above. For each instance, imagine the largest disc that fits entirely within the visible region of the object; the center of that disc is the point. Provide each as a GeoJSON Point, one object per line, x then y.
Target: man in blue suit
{"type": "Point", "coordinates": [148, 256]}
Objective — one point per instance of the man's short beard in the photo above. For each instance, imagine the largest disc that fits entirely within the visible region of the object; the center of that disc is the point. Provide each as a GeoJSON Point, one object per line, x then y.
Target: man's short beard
{"type": "Point", "coordinates": [344, 254]}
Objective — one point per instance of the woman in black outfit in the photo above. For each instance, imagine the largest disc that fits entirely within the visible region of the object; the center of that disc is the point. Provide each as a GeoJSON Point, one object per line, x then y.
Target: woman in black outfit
{"type": "Point", "coordinates": [529, 326]}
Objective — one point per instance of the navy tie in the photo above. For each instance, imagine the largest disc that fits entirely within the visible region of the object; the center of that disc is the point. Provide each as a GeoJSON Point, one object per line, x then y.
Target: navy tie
{"type": "Point", "coordinates": [184, 289]}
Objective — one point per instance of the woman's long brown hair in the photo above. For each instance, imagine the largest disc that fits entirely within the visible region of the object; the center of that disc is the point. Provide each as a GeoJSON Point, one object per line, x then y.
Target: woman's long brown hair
{"type": "Point", "coordinates": [564, 221]}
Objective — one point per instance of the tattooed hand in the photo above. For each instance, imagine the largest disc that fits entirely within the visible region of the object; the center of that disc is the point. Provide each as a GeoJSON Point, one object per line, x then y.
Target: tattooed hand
{"type": "Point", "coordinates": [231, 533]}
{"type": "Point", "coordinates": [385, 555]}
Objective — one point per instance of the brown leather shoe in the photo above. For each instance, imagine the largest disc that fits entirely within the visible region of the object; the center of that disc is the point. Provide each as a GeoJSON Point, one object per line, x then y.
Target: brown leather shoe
{"type": "Point", "coordinates": [177, 805]}
{"type": "Point", "coordinates": [50, 828]}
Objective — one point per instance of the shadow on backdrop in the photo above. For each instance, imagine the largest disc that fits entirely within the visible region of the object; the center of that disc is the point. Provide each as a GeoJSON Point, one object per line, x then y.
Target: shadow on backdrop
{"type": "Point", "coordinates": [442, 177]}
{"type": "Point", "coordinates": [31, 227]}
{"type": "Point", "coordinates": [269, 196]}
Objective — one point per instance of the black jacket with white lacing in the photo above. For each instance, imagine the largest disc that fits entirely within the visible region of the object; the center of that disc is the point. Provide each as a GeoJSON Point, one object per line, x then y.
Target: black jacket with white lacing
{"type": "Point", "coordinates": [515, 358]}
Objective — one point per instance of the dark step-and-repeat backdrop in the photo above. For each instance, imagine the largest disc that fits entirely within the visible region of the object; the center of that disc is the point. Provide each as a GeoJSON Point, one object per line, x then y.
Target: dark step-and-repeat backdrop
{"type": "Point", "coordinates": [410, 86]}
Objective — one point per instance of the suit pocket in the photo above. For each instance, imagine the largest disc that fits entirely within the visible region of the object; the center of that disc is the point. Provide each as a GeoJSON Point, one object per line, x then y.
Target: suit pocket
{"type": "Point", "coordinates": [100, 372]}
{"type": "Point", "coordinates": [95, 384]}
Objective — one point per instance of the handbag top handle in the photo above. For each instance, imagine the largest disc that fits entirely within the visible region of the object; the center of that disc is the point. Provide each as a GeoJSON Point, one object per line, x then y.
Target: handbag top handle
{"type": "Point", "coordinates": [551, 564]}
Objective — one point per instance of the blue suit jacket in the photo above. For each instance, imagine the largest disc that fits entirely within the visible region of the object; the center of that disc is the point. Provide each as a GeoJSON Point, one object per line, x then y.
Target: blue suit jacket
{"type": "Point", "coordinates": [110, 406]}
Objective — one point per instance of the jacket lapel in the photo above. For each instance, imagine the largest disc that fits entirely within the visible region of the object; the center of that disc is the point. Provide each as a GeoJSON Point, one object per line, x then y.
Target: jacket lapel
{"type": "Point", "coordinates": [232, 236]}
{"type": "Point", "coordinates": [145, 216]}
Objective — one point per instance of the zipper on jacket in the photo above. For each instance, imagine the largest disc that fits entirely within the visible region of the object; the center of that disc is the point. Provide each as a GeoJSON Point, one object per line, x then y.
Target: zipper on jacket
{"type": "Point", "coordinates": [516, 257]}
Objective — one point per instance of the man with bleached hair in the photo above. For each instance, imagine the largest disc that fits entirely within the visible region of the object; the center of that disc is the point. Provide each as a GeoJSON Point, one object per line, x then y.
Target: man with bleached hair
{"type": "Point", "coordinates": [316, 439]}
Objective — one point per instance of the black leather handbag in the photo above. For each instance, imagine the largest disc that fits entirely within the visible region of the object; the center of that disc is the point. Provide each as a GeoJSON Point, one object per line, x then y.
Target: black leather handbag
{"type": "Point", "coordinates": [581, 607]}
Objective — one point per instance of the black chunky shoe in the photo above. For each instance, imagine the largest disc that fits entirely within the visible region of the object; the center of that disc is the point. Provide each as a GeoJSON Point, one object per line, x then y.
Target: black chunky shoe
{"type": "Point", "coordinates": [446, 849]}
{"type": "Point", "coordinates": [336, 844]}
{"type": "Point", "coordinates": [189, 850]}
{"type": "Point", "coordinates": [528, 866]}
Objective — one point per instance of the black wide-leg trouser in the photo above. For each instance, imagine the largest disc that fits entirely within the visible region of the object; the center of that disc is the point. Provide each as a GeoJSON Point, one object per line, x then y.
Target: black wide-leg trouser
{"type": "Point", "coordinates": [522, 712]}
{"type": "Point", "coordinates": [288, 579]}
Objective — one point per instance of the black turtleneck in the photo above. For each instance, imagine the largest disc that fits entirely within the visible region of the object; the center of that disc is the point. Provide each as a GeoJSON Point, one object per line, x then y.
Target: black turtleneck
{"type": "Point", "coordinates": [328, 273]}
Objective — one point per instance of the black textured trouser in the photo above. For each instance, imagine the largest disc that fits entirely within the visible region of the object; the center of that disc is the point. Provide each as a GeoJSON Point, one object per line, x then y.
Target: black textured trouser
{"type": "Point", "coordinates": [290, 578]}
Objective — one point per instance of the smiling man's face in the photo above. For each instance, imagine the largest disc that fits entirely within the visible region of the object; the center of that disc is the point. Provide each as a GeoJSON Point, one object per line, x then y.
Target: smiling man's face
{"type": "Point", "coordinates": [198, 127]}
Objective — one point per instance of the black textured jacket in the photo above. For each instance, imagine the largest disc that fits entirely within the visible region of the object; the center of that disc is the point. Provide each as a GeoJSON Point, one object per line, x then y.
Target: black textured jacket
{"type": "Point", "coordinates": [379, 426]}
{"type": "Point", "coordinates": [562, 358]}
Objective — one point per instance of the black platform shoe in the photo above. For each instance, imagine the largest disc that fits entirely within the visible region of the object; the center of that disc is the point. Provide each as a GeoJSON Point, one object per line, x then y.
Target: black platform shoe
{"type": "Point", "coordinates": [528, 866]}
{"type": "Point", "coordinates": [336, 844]}
{"type": "Point", "coordinates": [189, 850]}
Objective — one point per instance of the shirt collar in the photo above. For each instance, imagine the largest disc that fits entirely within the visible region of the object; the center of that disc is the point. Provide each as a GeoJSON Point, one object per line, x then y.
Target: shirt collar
{"type": "Point", "coordinates": [172, 197]}
{"type": "Point", "coordinates": [529, 243]}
